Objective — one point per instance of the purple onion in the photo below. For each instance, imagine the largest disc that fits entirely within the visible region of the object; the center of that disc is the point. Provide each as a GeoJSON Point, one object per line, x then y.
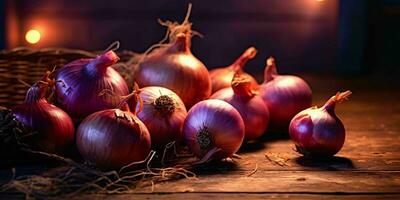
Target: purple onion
{"type": "Point", "coordinates": [285, 96]}
{"type": "Point", "coordinates": [113, 138]}
{"type": "Point", "coordinates": [318, 132]}
{"type": "Point", "coordinates": [176, 68]}
{"type": "Point", "coordinates": [163, 113]}
{"type": "Point", "coordinates": [213, 125]}
{"type": "Point", "coordinates": [251, 106]}
{"type": "Point", "coordinates": [80, 82]}
{"type": "Point", "coordinates": [53, 129]}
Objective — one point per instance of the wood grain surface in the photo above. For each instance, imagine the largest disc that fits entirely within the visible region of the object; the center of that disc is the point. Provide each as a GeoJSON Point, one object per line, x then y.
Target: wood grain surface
{"type": "Point", "coordinates": [368, 166]}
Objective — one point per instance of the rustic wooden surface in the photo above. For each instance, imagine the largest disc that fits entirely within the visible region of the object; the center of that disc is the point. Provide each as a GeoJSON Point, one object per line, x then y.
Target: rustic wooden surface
{"type": "Point", "coordinates": [368, 166]}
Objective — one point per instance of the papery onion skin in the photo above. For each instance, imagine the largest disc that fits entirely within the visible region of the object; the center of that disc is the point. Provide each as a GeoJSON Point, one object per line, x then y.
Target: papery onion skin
{"type": "Point", "coordinates": [212, 124]}
{"type": "Point", "coordinates": [163, 113]}
{"type": "Point", "coordinates": [53, 128]}
{"type": "Point", "coordinates": [285, 96]}
{"type": "Point", "coordinates": [318, 132]}
{"type": "Point", "coordinates": [251, 107]}
{"type": "Point", "coordinates": [113, 138]}
{"type": "Point", "coordinates": [80, 82]}
{"type": "Point", "coordinates": [174, 67]}
{"type": "Point", "coordinates": [221, 77]}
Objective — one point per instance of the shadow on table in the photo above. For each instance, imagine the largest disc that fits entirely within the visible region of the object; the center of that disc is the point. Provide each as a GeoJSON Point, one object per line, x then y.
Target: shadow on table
{"type": "Point", "coordinates": [262, 142]}
{"type": "Point", "coordinates": [216, 167]}
{"type": "Point", "coordinates": [332, 164]}
{"type": "Point", "coordinates": [252, 146]}
{"type": "Point", "coordinates": [270, 136]}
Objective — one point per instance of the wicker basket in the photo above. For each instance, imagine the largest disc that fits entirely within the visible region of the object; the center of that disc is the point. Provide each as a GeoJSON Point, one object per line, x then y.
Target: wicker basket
{"type": "Point", "coordinates": [29, 65]}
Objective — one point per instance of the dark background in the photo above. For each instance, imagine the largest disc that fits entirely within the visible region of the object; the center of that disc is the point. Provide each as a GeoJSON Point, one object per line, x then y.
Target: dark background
{"type": "Point", "coordinates": [349, 37]}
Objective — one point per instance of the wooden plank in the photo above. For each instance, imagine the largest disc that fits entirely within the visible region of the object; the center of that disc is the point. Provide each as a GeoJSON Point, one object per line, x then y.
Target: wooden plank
{"type": "Point", "coordinates": [277, 158]}
{"type": "Point", "coordinates": [223, 196]}
{"type": "Point", "coordinates": [363, 150]}
{"type": "Point", "coordinates": [238, 196]}
{"type": "Point", "coordinates": [368, 167]}
{"type": "Point", "coordinates": [284, 182]}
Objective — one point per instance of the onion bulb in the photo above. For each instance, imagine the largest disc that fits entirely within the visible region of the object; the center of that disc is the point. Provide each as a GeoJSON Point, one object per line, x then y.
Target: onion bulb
{"type": "Point", "coordinates": [222, 77]}
{"type": "Point", "coordinates": [163, 114]}
{"type": "Point", "coordinates": [214, 129]}
{"type": "Point", "coordinates": [113, 138]}
{"type": "Point", "coordinates": [80, 82]}
{"type": "Point", "coordinates": [174, 67]}
{"type": "Point", "coordinates": [318, 132]}
{"type": "Point", "coordinates": [251, 107]}
{"type": "Point", "coordinates": [285, 96]}
{"type": "Point", "coordinates": [53, 129]}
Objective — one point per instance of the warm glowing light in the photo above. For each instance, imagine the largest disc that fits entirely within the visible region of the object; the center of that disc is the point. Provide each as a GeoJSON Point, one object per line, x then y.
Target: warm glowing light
{"type": "Point", "coordinates": [319, 0]}
{"type": "Point", "coordinates": [32, 36]}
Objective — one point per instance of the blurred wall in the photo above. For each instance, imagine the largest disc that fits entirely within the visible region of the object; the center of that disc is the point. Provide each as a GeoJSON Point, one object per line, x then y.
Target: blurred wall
{"type": "Point", "coordinates": [301, 34]}
{"type": "Point", "coordinates": [2, 24]}
{"type": "Point", "coordinates": [383, 48]}
{"type": "Point", "coordinates": [339, 36]}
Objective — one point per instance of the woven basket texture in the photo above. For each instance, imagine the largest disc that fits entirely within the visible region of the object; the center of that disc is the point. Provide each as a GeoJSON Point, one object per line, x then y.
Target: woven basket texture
{"type": "Point", "coordinates": [29, 65]}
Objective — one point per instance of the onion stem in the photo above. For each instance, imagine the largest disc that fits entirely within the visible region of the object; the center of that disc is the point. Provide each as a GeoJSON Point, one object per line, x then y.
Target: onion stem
{"type": "Point", "coordinates": [270, 70]}
{"type": "Point", "coordinates": [239, 63]}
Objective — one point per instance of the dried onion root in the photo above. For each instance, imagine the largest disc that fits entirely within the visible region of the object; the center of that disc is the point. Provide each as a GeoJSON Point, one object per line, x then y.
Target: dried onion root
{"type": "Point", "coordinates": [75, 178]}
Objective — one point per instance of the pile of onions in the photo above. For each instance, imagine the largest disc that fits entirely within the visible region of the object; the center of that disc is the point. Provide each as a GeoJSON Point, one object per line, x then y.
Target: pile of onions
{"type": "Point", "coordinates": [80, 82]}
{"type": "Point", "coordinates": [53, 128]}
{"type": "Point", "coordinates": [251, 107]}
{"type": "Point", "coordinates": [113, 138]}
{"type": "Point", "coordinates": [163, 113]}
{"type": "Point", "coordinates": [318, 132]}
{"type": "Point", "coordinates": [285, 96]}
{"type": "Point", "coordinates": [222, 77]}
{"type": "Point", "coordinates": [174, 67]}
{"type": "Point", "coordinates": [213, 129]}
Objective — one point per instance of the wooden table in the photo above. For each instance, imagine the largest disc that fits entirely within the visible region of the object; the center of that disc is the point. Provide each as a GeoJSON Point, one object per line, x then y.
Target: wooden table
{"type": "Point", "coordinates": [368, 166]}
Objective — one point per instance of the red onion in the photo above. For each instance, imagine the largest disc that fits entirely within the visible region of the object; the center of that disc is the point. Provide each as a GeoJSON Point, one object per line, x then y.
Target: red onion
{"type": "Point", "coordinates": [250, 106]}
{"type": "Point", "coordinates": [163, 114]}
{"type": "Point", "coordinates": [53, 128]}
{"type": "Point", "coordinates": [174, 67]}
{"type": "Point", "coordinates": [222, 77]}
{"type": "Point", "coordinates": [285, 96]}
{"type": "Point", "coordinates": [113, 138]}
{"type": "Point", "coordinates": [318, 132]}
{"type": "Point", "coordinates": [81, 81]}
{"type": "Point", "coordinates": [213, 126]}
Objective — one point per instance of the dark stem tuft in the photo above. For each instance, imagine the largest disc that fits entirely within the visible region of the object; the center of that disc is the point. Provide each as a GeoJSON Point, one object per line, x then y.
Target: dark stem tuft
{"type": "Point", "coordinates": [164, 105]}
{"type": "Point", "coordinates": [204, 138]}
